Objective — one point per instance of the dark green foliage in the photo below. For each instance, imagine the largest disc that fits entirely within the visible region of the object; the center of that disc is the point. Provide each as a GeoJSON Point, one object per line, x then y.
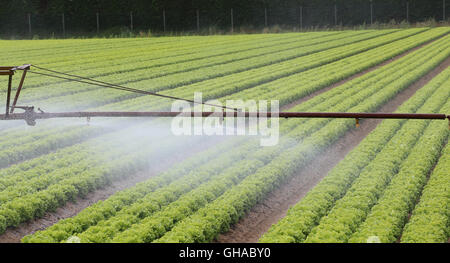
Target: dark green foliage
{"type": "Point", "coordinates": [80, 15]}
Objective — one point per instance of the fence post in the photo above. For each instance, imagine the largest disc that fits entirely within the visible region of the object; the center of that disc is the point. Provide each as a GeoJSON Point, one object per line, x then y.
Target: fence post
{"type": "Point", "coordinates": [164, 19]}
{"type": "Point", "coordinates": [63, 25]}
{"type": "Point", "coordinates": [371, 12]}
{"type": "Point", "coordinates": [443, 10]}
{"type": "Point", "coordinates": [265, 16]}
{"type": "Point", "coordinates": [98, 23]}
{"type": "Point", "coordinates": [407, 11]}
{"type": "Point", "coordinates": [301, 17]}
{"type": "Point", "coordinates": [29, 24]}
{"type": "Point", "coordinates": [131, 20]}
{"type": "Point", "coordinates": [232, 22]}
{"type": "Point", "coordinates": [335, 13]}
{"type": "Point", "coordinates": [198, 20]}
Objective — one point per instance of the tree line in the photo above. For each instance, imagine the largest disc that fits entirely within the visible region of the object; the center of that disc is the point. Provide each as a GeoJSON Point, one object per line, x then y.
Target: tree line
{"type": "Point", "coordinates": [183, 15]}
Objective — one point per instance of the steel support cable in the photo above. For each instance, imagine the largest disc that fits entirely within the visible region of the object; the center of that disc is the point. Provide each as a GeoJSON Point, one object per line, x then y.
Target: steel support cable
{"type": "Point", "coordinates": [94, 82]}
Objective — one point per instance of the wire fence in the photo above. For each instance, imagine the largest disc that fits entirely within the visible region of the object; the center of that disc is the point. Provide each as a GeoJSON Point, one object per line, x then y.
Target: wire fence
{"type": "Point", "coordinates": [196, 20]}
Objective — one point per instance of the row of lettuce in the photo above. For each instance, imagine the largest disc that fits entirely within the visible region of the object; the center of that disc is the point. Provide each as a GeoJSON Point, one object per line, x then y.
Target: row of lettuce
{"type": "Point", "coordinates": [154, 57]}
{"type": "Point", "coordinates": [118, 48]}
{"type": "Point", "coordinates": [26, 151]}
{"type": "Point", "coordinates": [200, 215]}
{"type": "Point", "coordinates": [371, 192]}
{"type": "Point", "coordinates": [61, 55]}
{"type": "Point", "coordinates": [217, 217]}
{"type": "Point", "coordinates": [23, 184]}
{"type": "Point", "coordinates": [29, 181]}
{"type": "Point", "coordinates": [430, 219]}
{"type": "Point", "coordinates": [147, 230]}
{"type": "Point", "coordinates": [297, 86]}
{"type": "Point", "coordinates": [16, 150]}
{"type": "Point", "coordinates": [29, 189]}
{"type": "Point", "coordinates": [388, 217]}
{"type": "Point", "coordinates": [213, 60]}
{"type": "Point", "coordinates": [160, 79]}
{"type": "Point", "coordinates": [216, 88]}
{"type": "Point", "coordinates": [60, 138]}
{"type": "Point", "coordinates": [157, 62]}
{"type": "Point", "coordinates": [354, 58]}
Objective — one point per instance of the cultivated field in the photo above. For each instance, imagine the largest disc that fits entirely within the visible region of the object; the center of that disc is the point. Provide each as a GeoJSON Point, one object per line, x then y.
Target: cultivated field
{"type": "Point", "coordinates": [122, 180]}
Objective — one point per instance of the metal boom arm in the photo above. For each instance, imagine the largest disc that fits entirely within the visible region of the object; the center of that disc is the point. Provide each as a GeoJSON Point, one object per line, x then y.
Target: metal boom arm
{"type": "Point", "coordinates": [47, 115]}
{"type": "Point", "coordinates": [30, 116]}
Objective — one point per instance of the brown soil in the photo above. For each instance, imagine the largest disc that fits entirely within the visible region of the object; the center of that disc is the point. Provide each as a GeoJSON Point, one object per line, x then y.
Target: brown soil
{"type": "Point", "coordinates": [275, 206]}
{"type": "Point", "coordinates": [14, 235]}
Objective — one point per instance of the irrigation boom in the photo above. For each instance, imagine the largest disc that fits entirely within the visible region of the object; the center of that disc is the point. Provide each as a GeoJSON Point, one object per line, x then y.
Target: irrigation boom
{"type": "Point", "coordinates": [30, 116]}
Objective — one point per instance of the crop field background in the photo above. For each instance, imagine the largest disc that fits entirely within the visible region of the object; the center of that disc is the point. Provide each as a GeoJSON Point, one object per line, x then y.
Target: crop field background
{"type": "Point", "coordinates": [123, 180]}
